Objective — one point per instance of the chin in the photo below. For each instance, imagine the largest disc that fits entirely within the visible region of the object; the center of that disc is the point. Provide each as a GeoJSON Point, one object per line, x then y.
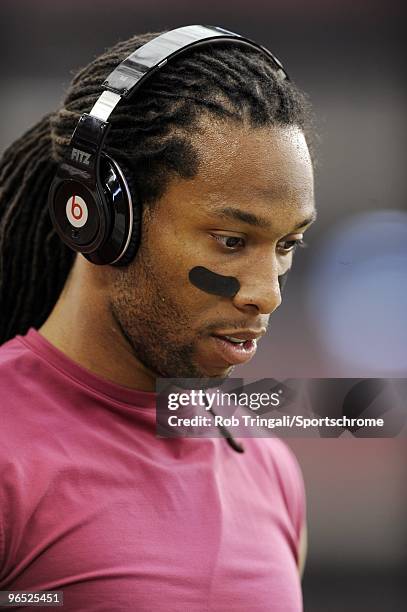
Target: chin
{"type": "Point", "coordinates": [218, 372]}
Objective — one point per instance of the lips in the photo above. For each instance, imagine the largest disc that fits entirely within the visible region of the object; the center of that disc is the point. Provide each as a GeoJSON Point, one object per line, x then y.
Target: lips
{"type": "Point", "coordinates": [241, 335]}
{"type": "Point", "coordinates": [236, 347]}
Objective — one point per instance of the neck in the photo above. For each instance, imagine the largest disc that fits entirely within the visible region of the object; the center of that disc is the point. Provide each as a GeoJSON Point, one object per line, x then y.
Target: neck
{"type": "Point", "coordinates": [83, 328]}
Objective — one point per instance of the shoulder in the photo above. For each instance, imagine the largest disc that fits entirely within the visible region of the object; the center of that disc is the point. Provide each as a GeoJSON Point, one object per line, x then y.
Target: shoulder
{"type": "Point", "coordinates": [10, 350]}
{"type": "Point", "coordinates": [286, 471]}
{"type": "Point", "coordinates": [17, 369]}
{"type": "Point", "coordinates": [14, 441]}
{"type": "Point", "coordinates": [14, 357]}
{"type": "Point", "coordinates": [21, 395]}
{"type": "Point", "coordinates": [291, 480]}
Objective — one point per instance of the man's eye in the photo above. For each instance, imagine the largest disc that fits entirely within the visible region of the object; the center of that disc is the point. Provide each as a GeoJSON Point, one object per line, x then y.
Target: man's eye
{"type": "Point", "coordinates": [291, 245]}
{"type": "Point", "coordinates": [230, 242]}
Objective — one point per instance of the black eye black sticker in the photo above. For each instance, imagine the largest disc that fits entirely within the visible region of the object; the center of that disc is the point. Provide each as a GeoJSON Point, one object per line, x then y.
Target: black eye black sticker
{"type": "Point", "coordinates": [211, 282]}
{"type": "Point", "coordinates": [217, 284]}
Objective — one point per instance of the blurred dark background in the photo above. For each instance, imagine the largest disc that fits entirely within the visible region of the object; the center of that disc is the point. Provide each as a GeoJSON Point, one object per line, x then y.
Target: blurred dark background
{"type": "Point", "coordinates": [345, 303]}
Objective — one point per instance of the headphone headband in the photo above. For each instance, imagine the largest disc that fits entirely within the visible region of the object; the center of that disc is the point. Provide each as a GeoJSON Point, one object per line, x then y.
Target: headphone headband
{"type": "Point", "coordinates": [147, 59]}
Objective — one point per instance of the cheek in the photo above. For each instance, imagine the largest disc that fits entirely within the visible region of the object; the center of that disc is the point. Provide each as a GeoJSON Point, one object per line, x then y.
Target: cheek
{"type": "Point", "coordinates": [183, 263]}
{"type": "Point", "coordinates": [165, 280]}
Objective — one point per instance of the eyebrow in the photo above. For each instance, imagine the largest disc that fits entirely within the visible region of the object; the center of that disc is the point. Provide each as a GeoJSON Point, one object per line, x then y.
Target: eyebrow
{"type": "Point", "coordinates": [236, 214]}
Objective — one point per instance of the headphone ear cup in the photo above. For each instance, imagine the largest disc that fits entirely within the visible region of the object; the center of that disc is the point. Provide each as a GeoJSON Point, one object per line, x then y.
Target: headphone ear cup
{"type": "Point", "coordinates": [132, 247]}
{"type": "Point", "coordinates": [135, 234]}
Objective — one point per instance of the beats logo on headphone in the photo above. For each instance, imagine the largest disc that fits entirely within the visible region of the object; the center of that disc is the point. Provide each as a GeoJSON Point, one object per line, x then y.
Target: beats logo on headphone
{"type": "Point", "coordinates": [76, 211]}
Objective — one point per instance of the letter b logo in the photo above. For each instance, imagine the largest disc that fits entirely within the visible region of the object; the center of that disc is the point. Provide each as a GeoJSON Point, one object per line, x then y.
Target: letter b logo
{"type": "Point", "coordinates": [76, 211]}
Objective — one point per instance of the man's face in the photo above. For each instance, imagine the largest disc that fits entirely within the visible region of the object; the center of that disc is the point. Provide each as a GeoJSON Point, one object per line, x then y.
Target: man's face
{"type": "Point", "coordinates": [240, 216]}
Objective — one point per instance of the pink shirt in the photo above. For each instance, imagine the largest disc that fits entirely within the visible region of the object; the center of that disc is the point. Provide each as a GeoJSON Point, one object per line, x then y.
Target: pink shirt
{"type": "Point", "coordinates": [94, 504]}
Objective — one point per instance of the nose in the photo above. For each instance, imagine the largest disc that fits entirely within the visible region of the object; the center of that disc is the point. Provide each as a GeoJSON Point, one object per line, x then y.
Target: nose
{"type": "Point", "coordinates": [259, 290]}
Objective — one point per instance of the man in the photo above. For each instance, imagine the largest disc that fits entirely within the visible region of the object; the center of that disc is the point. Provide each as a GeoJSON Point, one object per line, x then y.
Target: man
{"type": "Point", "coordinates": [215, 152]}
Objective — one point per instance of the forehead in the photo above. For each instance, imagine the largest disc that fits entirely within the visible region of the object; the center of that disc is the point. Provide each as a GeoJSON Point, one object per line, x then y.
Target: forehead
{"type": "Point", "coordinates": [267, 170]}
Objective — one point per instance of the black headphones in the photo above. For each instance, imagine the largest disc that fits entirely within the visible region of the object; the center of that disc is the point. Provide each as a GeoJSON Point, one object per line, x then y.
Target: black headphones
{"type": "Point", "coordinates": [89, 200]}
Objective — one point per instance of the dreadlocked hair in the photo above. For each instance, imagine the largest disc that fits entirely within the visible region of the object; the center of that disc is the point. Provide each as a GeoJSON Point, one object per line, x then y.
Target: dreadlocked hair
{"type": "Point", "coordinates": [149, 137]}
